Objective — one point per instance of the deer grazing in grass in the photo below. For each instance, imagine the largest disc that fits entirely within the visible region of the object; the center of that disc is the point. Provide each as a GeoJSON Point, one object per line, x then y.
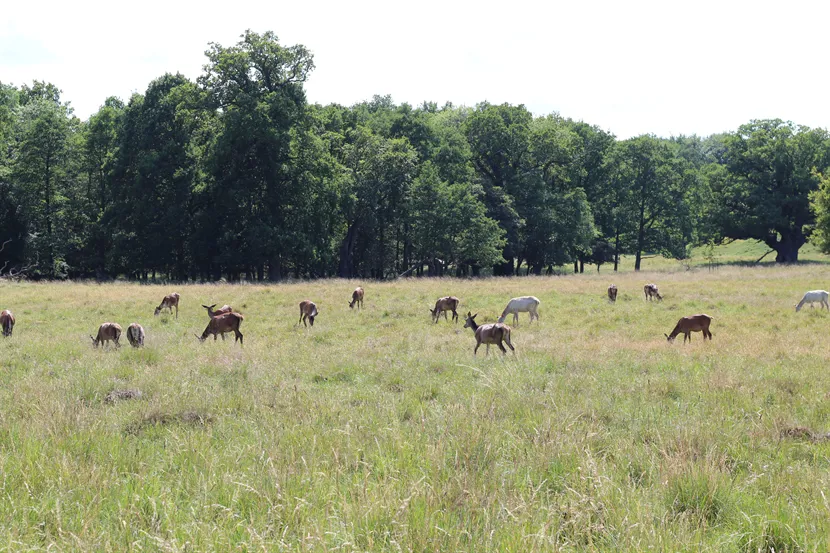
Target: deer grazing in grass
{"type": "Point", "coordinates": [492, 333]}
{"type": "Point", "coordinates": [107, 332]}
{"type": "Point", "coordinates": [308, 310]}
{"type": "Point", "coordinates": [221, 311]}
{"type": "Point", "coordinates": [612, 293]}
{"type": "Point", "coordinates": [6, 322]}
{"type": "Point", "coordinates": [523, 304]}
{"type": "Point", "coordinates": [229, 322]}
{"type": "Point", "coordinates": [687, 325]}
{"type": "Point", "coordinates": [357, 298]}
{"type": "Point", "coordinates": [650, 290]}
{"type": "Point", "coordinates": [814, 296]}
{"type": "Point", "coordinates": [135, 335]}
{"type": "Point", "coordinates": [169, 302]}
{"type": "Point", "coordinates": [447, 303]}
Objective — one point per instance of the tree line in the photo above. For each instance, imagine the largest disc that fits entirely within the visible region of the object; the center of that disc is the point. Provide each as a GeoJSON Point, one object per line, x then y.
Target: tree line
{"type": "Point", "coordinates": [238, 176]}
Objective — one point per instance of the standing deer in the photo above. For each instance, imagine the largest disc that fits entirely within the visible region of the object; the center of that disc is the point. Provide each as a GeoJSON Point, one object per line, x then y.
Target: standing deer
{"type": "Point", "coordinates": [447, 303]}
{"type": "Point", "coordinates": [135, 335]}
{"type": "Point", "coordinates": [650, 290]}
{"type": "Point", "coordinates": [107, 332]}
{"type": "Point", "coordinates": [308, 310]}
{"type": "Point", "coordinates": [357, 298]}
{"type": "Point", "coordinates": [492, 333]}
{"type": "Point", "coordinates": [7, 322]}
{"type": "Point", "coordinates": [520, 305]}
{"type": "Point", "coordinates": [229, 322]}
{"type": "Point", "coordinates": [612, 293]}
{"type": "Point", "coordinates": [169, 302]}
{"type": "Point", "coordinates": [221, 311]}
{"type": "Point", "coordinates": [687, 325]}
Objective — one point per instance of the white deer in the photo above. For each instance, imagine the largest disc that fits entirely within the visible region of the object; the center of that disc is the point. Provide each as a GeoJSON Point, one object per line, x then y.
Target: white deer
{"type": "Point", "coordinates": [523, 304]}
{"type": "Point", "coordinates": [814, 296]}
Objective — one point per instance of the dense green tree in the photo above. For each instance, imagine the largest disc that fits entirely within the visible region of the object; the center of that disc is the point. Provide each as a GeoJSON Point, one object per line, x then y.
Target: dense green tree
{"type": "Point", "coordinates": [655, 185]}
{"type": "Point", "coordinates": [41, 173]}
{"type": "Point", "coordinates": [12, 226]}
{"type": "Point", "coordinates": [450, 226]}
{"type": "Point", "coordinates": [258, 86]}
{"type": "Point", "coordinates": [772, 166]}
{"type": "Point", "coordinates": [379, 172]}
{"type": "Point", "coordinates": [153, 181]}
{"type": "Point", "coordinates": [820, 205]}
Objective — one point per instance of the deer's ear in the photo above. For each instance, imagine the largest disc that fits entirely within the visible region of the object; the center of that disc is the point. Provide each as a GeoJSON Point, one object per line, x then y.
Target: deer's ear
{"type": "Point", "coordinates": [474, 316]}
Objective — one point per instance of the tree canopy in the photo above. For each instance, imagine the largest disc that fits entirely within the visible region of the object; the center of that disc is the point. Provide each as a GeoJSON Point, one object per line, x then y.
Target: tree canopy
{"type": "Point", "coordinates": [235, 175]}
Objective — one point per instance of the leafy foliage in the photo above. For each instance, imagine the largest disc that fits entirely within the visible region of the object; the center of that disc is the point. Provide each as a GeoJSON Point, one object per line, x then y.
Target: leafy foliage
{"type": "Point", "coordinates": [237, 176]}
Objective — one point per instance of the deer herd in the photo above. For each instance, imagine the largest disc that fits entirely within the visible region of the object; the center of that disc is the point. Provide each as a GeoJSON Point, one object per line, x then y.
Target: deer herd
{"type": "Point", "coordinates": [225, 319]}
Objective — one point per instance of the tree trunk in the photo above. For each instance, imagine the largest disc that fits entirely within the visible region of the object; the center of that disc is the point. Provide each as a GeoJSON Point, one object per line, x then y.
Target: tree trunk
{"type": "Point", "coordinates": [346, 268]}
{"type": "Point", "coordinates": [786, 249]}
{"type": "Point", "coordinates": [275, 269]}
{"type": "Point", "coordinates": [617, 251]}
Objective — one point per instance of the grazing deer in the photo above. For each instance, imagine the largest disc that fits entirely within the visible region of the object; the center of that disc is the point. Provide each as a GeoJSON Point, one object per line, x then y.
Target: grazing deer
{"type": "Point", "coordinates": [687, 325]}
{"type": "Point", "coordinates": [521, 305]}
{"type": "Point", "coordinates": [612, 293]}
{"type": "Point", "coordinates": [7, 322]}
{"type": "Point", "coordinates": [308, 310]}
{"type": "Point", "coordinates": [229, 322]}
{"type": "Point", "coordinates": [221, 311]}
{"type": "Point", "coordinates": [357, 298]}
{"type": "Point", "coordinates": [169, 302]}
{"type": "Point", "coordinates": [107, 332]}
{"type": "Point", "coordinates": [135, 335]}
{"type": "Point", "coordinates": [492, 333]}
{"type": "Point", "coordinates": [447, 303]}
{"type": "Point", "coordinates": [650, 290]}
{"type": "Point", "coordinates": [814, 296]}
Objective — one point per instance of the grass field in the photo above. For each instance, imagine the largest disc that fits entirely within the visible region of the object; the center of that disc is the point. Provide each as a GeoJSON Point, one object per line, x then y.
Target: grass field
{"type": "Point", "coordinates": [379, 431]}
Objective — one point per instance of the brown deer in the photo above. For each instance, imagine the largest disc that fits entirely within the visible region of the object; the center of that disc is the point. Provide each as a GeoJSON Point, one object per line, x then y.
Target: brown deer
{"type": "Point", "coordinates": [169, 302]}
{"type": "Point", "coordinates": [135, 335]}
{"type": "Point", "coordinates": [357, 298]}
{"type": "Point", "coordinates": [687, 325]}
{"type": "Point", "coordinates": [492, 333]}
{"type": "Point", "coordinates": [650, 290]}
{"type": "Point", "coordinates": [308, 310]}
{"type": "Point", "coordinates": [6, 322]}
{"type": "Point", "coordinates": [221, 311]}
{"type": "Point", "coordinates": [447, 303]}
{"type": "Point", "coordinates": [229, 322]}
{"type": "Point", "coordinates": [612, 293]}
{"type": "Point", "coordinates": [107, 332]}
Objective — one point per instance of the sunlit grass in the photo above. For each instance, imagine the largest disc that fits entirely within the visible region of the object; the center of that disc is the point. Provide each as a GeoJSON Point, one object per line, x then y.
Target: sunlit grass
{"type": "Point", "coordinates": [378, 430]}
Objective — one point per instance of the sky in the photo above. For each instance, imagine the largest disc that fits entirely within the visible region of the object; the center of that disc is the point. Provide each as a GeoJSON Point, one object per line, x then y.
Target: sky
{"type": "Point", "coordinates": [630, 67]}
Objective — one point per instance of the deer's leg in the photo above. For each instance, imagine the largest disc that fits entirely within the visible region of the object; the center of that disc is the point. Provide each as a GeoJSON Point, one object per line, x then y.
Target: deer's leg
{"type": "Point", "coordinates": [454, 316]}
{"type": "Point", "coordinates": [446, 320]}
{"type": "Point", "coordinates": [475, 351]}
{"type": "Point", "coordinates": [501, 347]}
{"type": "Point", "coordinates": [238, 336]}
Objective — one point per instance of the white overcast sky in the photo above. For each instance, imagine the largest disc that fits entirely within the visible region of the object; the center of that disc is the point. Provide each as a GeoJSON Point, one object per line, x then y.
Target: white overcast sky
{"type": "Point", "coordinates": [630, 67]}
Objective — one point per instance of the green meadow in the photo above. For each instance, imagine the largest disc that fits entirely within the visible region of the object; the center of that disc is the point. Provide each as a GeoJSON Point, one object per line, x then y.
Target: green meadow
{"type": "Point", "coordinates": [378, 430]}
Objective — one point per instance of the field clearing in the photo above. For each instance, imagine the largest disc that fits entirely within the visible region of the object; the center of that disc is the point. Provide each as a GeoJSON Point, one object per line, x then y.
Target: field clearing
{"type": "Point", "coordinates": [379, 431]}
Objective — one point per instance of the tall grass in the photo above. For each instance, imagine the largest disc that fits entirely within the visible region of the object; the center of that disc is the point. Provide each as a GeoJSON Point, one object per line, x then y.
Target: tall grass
{"type": "Point", "coordinates": [379, 431]}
